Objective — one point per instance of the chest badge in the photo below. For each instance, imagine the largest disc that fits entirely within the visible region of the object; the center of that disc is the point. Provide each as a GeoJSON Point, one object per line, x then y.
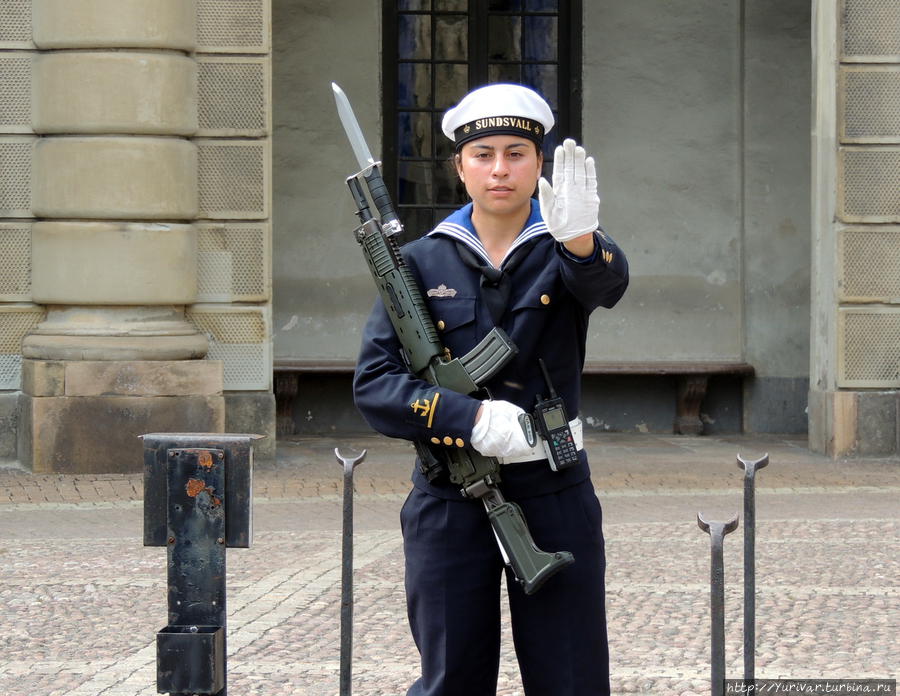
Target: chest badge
{"type": "Point", "coordinates": [441, 291]}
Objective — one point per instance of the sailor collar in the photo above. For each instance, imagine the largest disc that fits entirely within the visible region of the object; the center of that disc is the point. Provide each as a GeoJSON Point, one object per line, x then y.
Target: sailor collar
{"type": "Point", "coordinates": [458, 226]}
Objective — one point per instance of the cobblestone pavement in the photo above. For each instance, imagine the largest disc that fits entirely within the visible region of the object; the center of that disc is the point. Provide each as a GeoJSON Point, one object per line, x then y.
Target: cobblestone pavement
{"type": "Point", "coordinates": [81, 599]}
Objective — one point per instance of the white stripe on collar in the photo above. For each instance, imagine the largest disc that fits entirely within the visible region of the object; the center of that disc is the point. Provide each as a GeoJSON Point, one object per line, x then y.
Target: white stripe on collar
{"type": "Point", "coordinates": [472, 240]}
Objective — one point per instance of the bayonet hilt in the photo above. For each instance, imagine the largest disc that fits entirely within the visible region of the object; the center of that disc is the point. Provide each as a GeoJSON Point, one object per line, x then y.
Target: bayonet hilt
{"type": "Point", "coordinates": [370, 179]}
{"type": "Point", "coordinates": [382, 200]}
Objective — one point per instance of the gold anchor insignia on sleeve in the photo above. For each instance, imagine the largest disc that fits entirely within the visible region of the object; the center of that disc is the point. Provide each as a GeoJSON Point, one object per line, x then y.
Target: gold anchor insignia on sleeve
{"type": "Point", "coordinates": [426, 407]}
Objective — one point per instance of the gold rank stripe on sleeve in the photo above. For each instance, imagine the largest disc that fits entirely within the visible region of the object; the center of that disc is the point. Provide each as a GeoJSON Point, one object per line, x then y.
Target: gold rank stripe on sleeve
{"type": "Point", "coordinates": [437, 395]}
{"type": "Point", "coordinates": [426, 407]}
{"type": "Point", "coordinates": [607, 256]}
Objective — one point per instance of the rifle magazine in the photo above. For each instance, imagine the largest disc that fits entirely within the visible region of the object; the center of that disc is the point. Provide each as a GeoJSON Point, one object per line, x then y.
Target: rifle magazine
{"type": "Point", "coordinates": [491, 354]}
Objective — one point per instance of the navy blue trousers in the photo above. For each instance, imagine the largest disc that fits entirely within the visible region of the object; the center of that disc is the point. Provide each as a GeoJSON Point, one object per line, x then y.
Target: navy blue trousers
{"type": "Point", "coordinates": [453, 574]}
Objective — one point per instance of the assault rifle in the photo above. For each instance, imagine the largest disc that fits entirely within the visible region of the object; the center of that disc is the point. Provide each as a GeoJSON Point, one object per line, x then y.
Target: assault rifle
{"type": "Point", "coordinates": [427, 358]}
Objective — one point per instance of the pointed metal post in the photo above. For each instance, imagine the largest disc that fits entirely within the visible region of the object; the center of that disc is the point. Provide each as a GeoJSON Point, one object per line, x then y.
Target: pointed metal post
{"type": "Point", "coordinates": [717, 532]}
{"type": "Point", "coordinates": [750, 468]}
{"type": "Point", "coordinates": [349, 461]}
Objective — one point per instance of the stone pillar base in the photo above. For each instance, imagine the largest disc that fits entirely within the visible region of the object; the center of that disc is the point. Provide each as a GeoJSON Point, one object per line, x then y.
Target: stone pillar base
{"type": "Point", "coordinates": [854, 423]}
{"type": "Point", "coordinates": [9, 406]}
{"type": "Point", "coordinates": [86, 416]}
{"type": "Point", "coordinates": [122, 334]}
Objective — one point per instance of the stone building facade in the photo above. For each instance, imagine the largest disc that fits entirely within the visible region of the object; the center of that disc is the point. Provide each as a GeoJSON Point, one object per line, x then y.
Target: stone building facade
{"type": "Point", "coordinates": [136, 196]}
{"type": "Point", "coordinates": [153, 153]}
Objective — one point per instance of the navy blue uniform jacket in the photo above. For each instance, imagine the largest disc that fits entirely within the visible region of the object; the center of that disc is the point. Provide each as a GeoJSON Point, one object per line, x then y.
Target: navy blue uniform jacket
{"type": "Point", "coordinates": [552, 295]}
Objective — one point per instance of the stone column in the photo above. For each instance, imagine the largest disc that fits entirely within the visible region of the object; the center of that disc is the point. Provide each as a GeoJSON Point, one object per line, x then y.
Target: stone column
{"type": "Point", "coordinates": [854, 400]}
{"type": "Point", "coordinates": [114, 250]}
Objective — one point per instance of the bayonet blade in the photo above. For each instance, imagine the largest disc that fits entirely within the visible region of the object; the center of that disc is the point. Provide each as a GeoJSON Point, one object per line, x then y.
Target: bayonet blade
{"type": "Point", "coordinates": [352, 129]}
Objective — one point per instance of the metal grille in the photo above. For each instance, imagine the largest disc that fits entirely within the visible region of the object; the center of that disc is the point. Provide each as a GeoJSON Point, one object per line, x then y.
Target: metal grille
{"type": "Point", "coordinates": [234, 181]}
{"type": "Point", "coordinates": [232, 26]}
{"type": "Point", "coordinates": [871, 28]}
{"type": "Point", "coordinates": [869, 184]}
{"type": "Point", "coordinates": [870, 265]}
{"type": "Point", "coordinates": [870, 104]}
{"type": "Point", "coordinates": [233, 262]}
{"type": "Point", "coordinates": [15, 176]}
{"type": "Point", "coordinates": [870, 343]}
{"type": "Point", "coordinates": [15, 95]}
{"type": "Point", "coordinates": [233, 96]}
{"type": "Point", "coordinates": [241, 338]}
{"type": "Point", "coordinates": [15, 262]}
{"type": "Point", "coordinates": [234, 101]}
{"type": "Point", "coordinates": [15, 322]}
{"type": "Point", "coordinates": [15, 24]}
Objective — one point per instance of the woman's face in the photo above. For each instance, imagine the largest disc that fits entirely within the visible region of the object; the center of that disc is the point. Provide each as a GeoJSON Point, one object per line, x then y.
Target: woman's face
{"type": "Point", "coordinates": [500, 172]}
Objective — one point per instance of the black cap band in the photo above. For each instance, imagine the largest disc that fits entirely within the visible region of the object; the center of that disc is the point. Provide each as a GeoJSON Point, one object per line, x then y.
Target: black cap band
{"type": "Point", "coordinates": [499, 125]}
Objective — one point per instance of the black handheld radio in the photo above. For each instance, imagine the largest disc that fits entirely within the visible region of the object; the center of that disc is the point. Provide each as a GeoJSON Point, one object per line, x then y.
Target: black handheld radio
{"type": "Point", "coordinates": [553, 424]}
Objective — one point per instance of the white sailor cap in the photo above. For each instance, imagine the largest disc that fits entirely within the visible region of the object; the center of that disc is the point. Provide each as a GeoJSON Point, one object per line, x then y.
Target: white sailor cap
{"type": "Point", "coordinates": [498, 109]}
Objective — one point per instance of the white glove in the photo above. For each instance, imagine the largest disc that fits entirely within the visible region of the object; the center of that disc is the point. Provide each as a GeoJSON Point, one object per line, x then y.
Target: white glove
{"type": "Point", "coordinates": [571, 206]}
{"type": "Point", "coordinates": [498, 432]}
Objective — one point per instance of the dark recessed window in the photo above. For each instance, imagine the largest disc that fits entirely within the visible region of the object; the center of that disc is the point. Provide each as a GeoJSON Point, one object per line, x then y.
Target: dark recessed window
{"type": "Point", "coordinates": [437, 50]}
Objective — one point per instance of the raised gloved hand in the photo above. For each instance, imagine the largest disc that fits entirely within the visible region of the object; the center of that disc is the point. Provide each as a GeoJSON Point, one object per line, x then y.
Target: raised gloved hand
{"type": "Point", "coordinates": [571, 205]}
{"type": "Point", "coordinates": [498, 432]}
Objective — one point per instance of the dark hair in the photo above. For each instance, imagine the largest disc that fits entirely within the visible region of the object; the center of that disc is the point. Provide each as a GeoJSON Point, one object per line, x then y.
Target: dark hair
{"type": "Point", "coordinates": [459, 148]}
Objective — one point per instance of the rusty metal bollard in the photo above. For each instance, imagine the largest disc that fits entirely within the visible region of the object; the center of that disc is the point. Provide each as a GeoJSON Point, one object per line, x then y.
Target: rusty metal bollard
{"type": "Point", "coordinates": [197, 502]}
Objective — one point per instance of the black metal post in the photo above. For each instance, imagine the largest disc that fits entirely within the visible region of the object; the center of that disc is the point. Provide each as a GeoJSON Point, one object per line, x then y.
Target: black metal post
{"type": "Point", "coordinates": [717, 532]}
{"type": "Point", "coordinates": [349, 461]}
{"type": "Point", "coordinates": [750, 468]}
{"type": "Point", "coordinates": [189, 509]}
